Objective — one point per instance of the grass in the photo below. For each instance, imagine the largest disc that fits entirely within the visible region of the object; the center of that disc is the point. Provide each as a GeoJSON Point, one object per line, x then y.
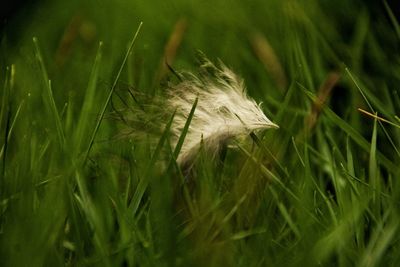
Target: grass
{"type": "Point", "coordinates": [322, 190]}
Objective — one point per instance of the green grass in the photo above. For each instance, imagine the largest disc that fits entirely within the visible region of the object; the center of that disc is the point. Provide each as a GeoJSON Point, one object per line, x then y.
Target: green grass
{"type": "Point", "coordinates": [322, 190]}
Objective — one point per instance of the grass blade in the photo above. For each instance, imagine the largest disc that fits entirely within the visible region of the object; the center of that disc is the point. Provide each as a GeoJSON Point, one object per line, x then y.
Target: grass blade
{"type": "Point", "coordinates": [49, 91]}
{"type": "Point", "coordinates": [392, 18]}
{"type": "Point", "coordinates": [185, 130]}
{"type": "Point", "coordinates": [114, 85]}
{"type": "Point", "coordinates": [354, 135]}
{"type": "Point", "coordinates": [144, 182]}
{"type": "Point", "coordinates": [89, 98]}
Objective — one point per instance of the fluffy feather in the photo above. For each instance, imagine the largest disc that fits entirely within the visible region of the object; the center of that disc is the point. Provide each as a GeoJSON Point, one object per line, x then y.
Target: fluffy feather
{"type": "Point", "coordinates": [224, 111]}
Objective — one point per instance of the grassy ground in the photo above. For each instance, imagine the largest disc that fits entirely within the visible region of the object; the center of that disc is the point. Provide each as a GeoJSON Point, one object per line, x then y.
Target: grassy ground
{"type": "Point", "coordinates": [322, 190]}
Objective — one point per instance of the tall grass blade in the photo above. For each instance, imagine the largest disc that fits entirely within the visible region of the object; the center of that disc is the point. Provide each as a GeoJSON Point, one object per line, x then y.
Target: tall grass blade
{"type": "Point", "coordinates": [145, 179]}
{"type": "Point", "coordinates": [49, 91]}
{"type": "Point", "coordinates": [89, 98]}
{"type": "Point", "coordinates": [373, 169]}
{"type": "Point", "coordinates": [181, 139]}
{"type": "Point", "coordinates": [114, 85]}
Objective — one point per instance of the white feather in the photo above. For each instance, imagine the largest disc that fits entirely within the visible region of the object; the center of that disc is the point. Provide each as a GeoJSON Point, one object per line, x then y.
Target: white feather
{"type": "Point", "coordinates": [224, 111]}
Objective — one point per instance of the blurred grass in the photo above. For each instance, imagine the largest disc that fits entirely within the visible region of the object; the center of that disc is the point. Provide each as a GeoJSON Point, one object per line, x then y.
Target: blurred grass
{"type": "Point", "coordinates": [322, 190]}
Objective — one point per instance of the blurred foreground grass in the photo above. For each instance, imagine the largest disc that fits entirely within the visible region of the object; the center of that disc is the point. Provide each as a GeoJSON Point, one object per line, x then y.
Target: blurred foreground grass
{"type": "Point", "coordinates": [322, 190]}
